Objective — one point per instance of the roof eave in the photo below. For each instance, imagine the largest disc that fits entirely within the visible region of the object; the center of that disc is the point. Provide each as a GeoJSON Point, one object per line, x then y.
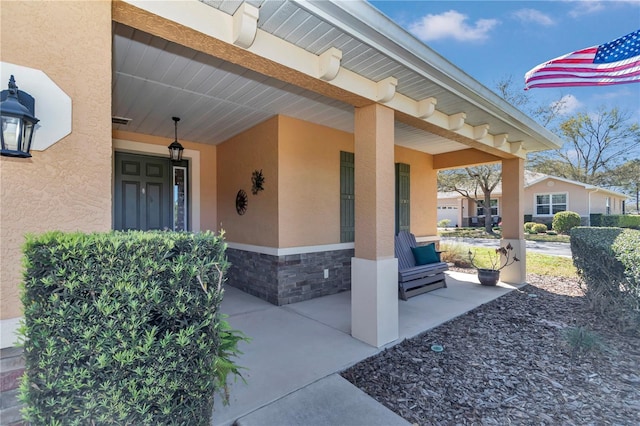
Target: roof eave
{"type": "Point", "coordinates": [364, 22]}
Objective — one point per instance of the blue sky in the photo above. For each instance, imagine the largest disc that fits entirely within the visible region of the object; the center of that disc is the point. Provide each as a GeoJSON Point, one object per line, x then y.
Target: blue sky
{"type": "Point", "coordinates": [491, 40]}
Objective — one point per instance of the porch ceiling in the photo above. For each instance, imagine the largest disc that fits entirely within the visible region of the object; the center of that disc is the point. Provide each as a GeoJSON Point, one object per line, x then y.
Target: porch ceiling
{"type": "Point", "coordinates": [155, 79]}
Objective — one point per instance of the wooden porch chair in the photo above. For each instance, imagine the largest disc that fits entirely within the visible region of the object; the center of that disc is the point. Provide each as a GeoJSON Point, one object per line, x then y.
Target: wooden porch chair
{"type": "Point", "coordinates": [414, 279]}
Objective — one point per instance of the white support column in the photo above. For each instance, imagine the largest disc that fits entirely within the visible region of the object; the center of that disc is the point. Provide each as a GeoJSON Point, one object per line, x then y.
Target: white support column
{"type": "Point", "coordinates": [374, 269]}
{"type": "Point", "coordinates": [516, 273]}
{"type": "Point", "coordinates": [374, 300]}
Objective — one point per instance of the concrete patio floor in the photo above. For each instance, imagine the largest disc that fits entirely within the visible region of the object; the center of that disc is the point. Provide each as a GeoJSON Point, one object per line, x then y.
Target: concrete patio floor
{"type": "Point", "coordinates": [297, 349]}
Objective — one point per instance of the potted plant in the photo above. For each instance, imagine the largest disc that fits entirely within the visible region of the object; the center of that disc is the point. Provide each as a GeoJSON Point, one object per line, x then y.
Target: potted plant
{"type": "Point", "coordinates": [499, 259]}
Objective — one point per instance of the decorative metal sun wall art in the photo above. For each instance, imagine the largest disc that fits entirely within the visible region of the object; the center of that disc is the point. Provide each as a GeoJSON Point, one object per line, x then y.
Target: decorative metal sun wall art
{"type": "Point", "coordinates": [257, 181]}
{"type": "Point", "coordinates": [241, 202]}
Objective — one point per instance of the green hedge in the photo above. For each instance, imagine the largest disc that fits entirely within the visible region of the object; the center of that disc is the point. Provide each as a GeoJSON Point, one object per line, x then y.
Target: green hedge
{"type": "Point", "coordinates": [608, 261]}
{"type": "Point", "coordinates": [615, 220]}
{"type": "Point", "coordinates": [124, 328]}
{"type": "Point", "coordinates": [629, 221]}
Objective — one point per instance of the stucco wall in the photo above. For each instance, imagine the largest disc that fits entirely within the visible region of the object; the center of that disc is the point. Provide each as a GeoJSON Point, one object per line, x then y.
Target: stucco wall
{"type": "Point", "coordinates": [68, 186]}
{"type": "Point", "coordinates": [424, 191]}
{"type": "Point", "coordinates": [309, 182]}
{"type": "Point", "coordinates": [237, 159]}
{"type": "Point", "coordinates": [300, 205]}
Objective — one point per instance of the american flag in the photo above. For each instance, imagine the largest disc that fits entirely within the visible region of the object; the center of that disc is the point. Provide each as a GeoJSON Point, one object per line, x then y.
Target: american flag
{"type": "Point", "coordinates": [616, 62]}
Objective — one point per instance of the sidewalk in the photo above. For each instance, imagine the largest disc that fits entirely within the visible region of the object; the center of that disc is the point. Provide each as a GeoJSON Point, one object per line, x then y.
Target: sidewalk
{"type": "Point", "coordinates": [296, 352]}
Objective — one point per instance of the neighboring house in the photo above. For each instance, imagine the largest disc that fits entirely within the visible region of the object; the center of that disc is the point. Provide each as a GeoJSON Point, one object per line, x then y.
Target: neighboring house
{"type": "Point", "coordinates": [345, 116]}
{"type": "Point", "coordinates": [544, 196]}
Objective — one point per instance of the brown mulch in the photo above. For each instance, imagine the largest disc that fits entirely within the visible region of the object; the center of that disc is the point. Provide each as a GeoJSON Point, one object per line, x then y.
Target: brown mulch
{"type": "Point", "coordinates": [510, 362]}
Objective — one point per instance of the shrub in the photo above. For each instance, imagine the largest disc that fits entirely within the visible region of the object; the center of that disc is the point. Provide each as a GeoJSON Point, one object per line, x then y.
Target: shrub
{"type": "Point", "coordinates": [455, 253]}
{"type": "Point", "coordinates": [444, 223]}
{"type": "Point", "coordinates": [564, 221]}
{"type": "Point", "coordinates": [582, 340]}
{"type": "Point", "coordinates": [528, 226]}
{"type": "Point", "coordinates": [124, 328]}
{"type": "Point", "coordinates": [539, 228]}
{"type": "Point", "coordinates": [608, 261]}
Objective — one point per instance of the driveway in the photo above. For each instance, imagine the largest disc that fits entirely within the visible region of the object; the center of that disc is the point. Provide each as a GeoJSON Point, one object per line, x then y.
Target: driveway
{"type": "Point", "coordinates": [553, 249]}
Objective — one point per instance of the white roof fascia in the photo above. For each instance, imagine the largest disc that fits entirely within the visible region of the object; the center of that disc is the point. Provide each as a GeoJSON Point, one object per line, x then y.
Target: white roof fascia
{"type": "Point", "coordinates": [367, 24]}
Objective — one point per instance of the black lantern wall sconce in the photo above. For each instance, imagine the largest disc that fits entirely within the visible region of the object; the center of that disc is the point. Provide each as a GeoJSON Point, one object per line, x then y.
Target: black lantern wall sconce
{"type": "Point", "coordinates": [17, 109]}
{"type": "Point", "coordinates": [176, 148]}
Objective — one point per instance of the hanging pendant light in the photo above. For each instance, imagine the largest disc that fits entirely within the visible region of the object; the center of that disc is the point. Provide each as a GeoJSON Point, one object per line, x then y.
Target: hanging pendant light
{"type": "Point", "coordinates": [176, 148]}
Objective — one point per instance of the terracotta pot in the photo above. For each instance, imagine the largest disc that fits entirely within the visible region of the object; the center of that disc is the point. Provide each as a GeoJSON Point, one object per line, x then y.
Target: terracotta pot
{"type": "Point", "coordinates": [488, 276]}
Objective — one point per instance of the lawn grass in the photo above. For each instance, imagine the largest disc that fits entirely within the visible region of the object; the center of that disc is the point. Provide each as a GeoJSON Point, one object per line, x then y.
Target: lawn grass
{"type": "Point", "coordinates": [541, 264]}
{"type": "Point", "coordinates": [548, 238]}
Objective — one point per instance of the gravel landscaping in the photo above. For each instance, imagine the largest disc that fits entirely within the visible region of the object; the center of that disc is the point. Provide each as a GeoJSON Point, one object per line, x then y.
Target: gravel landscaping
{"type": "Point", "coordinates": [537, 355]}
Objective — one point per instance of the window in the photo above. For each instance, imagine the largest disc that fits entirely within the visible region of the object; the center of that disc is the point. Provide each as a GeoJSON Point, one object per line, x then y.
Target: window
{"type": "Point", "coordinates": [179, 198]}
{"type": "Point", "coordinates": [550, 204]}
{"type": "Point", "coordinates": [608, 205]}
{"type": "Point", "coordinates": [480, 209]}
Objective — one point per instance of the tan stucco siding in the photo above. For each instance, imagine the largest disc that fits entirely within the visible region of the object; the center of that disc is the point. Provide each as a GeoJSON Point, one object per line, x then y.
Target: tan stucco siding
{"type": "Point", "coordinates": [599, 203]}
{"type": "Point", "coordinates": [424, 191]}
{"type": "Point", "coordinates": [237, 159]}
{"type": "Point", "coordinates": [67, 186]}
{"type": "Point", "coordinates": [206, 210]}
{"type": "Point", "coordinates": [309, 182]}
{"type": "Point", "coordinates": [306, 167]}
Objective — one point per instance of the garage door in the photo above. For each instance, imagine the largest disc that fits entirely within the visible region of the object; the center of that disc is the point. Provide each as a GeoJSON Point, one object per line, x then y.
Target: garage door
{"type": "Point", "coordinates": [448, 212]}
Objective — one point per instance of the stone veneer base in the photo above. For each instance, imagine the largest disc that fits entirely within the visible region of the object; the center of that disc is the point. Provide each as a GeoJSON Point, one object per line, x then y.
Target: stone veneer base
{"type": "Point", "coordinates": [290, 278]}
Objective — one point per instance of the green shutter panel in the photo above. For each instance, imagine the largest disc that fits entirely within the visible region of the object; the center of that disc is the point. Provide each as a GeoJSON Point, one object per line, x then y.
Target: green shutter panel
{"type": "Point", "coordinates": [347, 197]}
{"type": "Point", "coordinates": [402, 197]}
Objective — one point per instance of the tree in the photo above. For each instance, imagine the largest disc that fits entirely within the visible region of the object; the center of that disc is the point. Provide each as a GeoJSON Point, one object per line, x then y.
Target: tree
{"type": "Point", "coordinates": [627, 177]}
{"type": "Point", "coordinates": [470, 182]}
{"type": "Point", "coordinates": [545, 113]}
{"type": "Point", "coordinates": [595, 144]}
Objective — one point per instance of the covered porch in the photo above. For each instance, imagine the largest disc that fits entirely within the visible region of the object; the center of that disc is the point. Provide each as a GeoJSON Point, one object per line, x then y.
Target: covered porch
{"type": "Point", "coordinates": [284, 88]}
{"type": "Point", "coordinates": [299, 344]}
{"type": "Point", "coordinates": [290, 106]}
